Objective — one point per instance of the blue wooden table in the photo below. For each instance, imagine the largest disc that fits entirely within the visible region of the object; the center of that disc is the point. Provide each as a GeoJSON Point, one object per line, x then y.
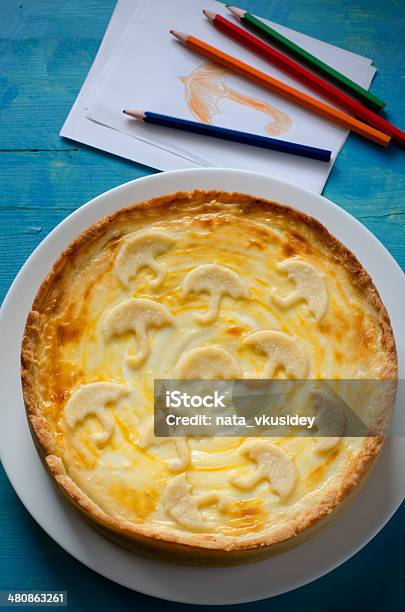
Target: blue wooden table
{"type": "Point", "coordinates": [46, 48]}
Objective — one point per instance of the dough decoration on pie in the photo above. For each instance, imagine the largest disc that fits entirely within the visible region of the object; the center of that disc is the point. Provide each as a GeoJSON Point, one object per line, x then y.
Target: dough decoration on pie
{"type": "Point", "coordinates": [282, 351]}
{"type": "Point", "coordinates": [330, 416]}
{"type": "Point", "coordinates": [92, 399]}
{"type": "Point", "coordinates": [208, 362]}
{"type": "Point", "coordinates": [136, 315]}
{"type": "Point", "coordinates": [147, 439]}
{"type": "Point", "coordinates": [140, 251]}
{"type": "Point", "coordinates": [184, 507]}
{"type": "Point", "coordinates": [273, 464]}
{"type": "Point", "coordinates": [310, 287]}
{"type": "Point", "coordinates": [217, 281]}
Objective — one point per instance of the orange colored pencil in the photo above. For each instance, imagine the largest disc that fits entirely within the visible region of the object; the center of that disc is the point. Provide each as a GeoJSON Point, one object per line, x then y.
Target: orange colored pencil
{"type": "Point", "coordinates": [265, 80]}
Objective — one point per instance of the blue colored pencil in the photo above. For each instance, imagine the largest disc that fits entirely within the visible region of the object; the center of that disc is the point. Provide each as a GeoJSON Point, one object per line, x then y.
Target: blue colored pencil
{"type": "Point", "coordinates": [283, 146]}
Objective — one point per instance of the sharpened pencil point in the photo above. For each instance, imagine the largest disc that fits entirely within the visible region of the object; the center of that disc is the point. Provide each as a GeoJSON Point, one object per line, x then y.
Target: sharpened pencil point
{"type": "Point", "coordinates": [181, 36]}
{"type": "Point", "coordinates": [135, 114]}
{"type": "Point", "coordinates": [236, 12]}
{"type": "Point", "coordinates": [209, 14]}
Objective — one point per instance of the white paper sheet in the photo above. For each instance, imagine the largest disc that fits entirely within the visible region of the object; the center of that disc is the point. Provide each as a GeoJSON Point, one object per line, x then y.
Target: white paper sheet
{"type": "Point", "coordinates": [77, 127]}
{"type": "Point", "coordinates": [139, 65]}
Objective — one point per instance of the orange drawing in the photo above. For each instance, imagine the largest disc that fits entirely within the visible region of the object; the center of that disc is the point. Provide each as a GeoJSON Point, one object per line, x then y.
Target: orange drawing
{"type": "Point", "coordinates": [205, 86]}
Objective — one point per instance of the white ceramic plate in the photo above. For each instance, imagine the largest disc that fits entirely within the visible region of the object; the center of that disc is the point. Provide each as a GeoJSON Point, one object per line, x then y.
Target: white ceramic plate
{"type": "Point", "coordinates": [349, 532]}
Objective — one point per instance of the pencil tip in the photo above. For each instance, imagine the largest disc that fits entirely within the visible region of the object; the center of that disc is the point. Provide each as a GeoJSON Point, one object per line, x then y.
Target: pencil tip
{"type": "Point", "coordinates": [236, 12]}
{"type": "Point", "coordinates": [209, 14]}
{"type": "Point", "coordinates": [181, 36]}
{"type": "Point", "coordinates": [135, 114]}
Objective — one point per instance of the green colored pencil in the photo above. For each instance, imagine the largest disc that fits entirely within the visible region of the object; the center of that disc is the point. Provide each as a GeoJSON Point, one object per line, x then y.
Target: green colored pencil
{"type": "Point", "coordinates": [367, 98]}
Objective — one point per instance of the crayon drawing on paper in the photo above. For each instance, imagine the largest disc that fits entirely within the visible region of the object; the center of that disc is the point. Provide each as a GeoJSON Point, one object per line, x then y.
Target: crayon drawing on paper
{"type": "Point", "coordinates": [206, 85]}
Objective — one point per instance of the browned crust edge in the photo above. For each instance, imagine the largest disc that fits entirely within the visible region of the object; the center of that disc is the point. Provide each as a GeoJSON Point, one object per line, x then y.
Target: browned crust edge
{"type": "Point", "coordinates": [195, 548]}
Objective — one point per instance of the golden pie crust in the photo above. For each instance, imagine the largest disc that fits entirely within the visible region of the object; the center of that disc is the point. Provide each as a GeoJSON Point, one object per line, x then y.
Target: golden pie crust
{"type": "Point", "coordinates": [198, 284]}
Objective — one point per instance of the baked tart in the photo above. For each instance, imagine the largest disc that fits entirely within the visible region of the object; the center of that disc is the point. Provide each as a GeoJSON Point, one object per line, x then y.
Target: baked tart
{"type": "Point", "coordinates": [197, 285]}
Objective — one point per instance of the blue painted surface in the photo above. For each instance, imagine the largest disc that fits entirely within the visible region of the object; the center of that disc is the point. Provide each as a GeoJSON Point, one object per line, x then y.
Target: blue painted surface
{"type": "Point", "coordinates": [46, 48]}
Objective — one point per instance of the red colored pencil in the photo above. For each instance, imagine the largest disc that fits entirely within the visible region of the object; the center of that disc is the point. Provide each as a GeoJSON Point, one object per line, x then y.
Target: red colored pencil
{"type": "Point", "coordinates": [304, 75]}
